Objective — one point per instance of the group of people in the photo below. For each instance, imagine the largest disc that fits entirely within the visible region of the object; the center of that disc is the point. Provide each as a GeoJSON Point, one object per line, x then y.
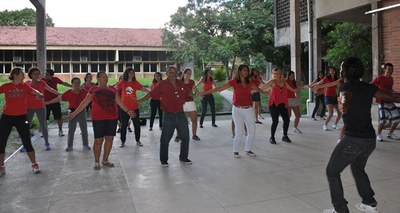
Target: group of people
{"type": "Point", "coordinates": [173, 99]}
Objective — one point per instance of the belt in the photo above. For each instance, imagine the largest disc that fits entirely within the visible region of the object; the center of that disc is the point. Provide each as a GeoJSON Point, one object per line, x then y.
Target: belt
{"type": "Point", "coordinates": [243, 107]}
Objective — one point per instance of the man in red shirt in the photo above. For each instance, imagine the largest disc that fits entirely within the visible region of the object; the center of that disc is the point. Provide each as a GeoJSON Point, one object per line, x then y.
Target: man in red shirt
{"type": "Point", "coordinates": [55, 107]}
{"type": "Point", "coordinates": [387, 110]}
{"type": "Point", "coordinates": [172, 95]}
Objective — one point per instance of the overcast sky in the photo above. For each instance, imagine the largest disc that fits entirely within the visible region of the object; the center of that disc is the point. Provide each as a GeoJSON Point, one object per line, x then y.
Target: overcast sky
{"type": "Point", "coordinates": [104, 13]}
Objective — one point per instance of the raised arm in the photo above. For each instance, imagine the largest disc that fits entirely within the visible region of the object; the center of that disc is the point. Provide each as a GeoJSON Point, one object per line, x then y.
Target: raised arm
{"type": "Point", "coordinates": [200, 81]}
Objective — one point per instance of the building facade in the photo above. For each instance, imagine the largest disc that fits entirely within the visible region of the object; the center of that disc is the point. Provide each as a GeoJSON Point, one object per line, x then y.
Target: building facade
{"type": "Point", "coordinates": [77, 51]}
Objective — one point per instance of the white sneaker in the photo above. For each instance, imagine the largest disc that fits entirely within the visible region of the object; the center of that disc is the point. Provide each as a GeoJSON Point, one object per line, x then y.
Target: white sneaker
{"type": "Point", "coordinates": [332, 210]}
{"type": "Point", "coordinates": [325, 127]}
{"type": "Point", "coordinates": [60, 133]}
{"type": "Point", "coordinates": [297, 130]}
{"type": "Point", "coordinates": [334, 126]}
{"type": "Point", "coordinates": [366, 208]}
{"type": "Point", "coordinates": [379, 137]}
{"type": "Point", "coordinates": [393, 136]}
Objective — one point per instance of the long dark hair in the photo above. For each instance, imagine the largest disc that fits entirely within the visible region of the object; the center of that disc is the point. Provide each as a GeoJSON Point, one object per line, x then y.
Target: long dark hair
{"type": "Point", "coordinates": [154, 79]}
{"type": "Point", "coordinates": [294, 80]}
{"type": "Point", "coordinates": [86, 76]}
{"type": "Point", "coordinates": [125, 75]}
{"type": "Point", "coordinates": [335, 77]}
{"type": "Point", "coordinates": [205, 75]}
{"type": "Point", "coordinates": [320, 73]}
{"type": "Point", "coordinates": [237, 75]}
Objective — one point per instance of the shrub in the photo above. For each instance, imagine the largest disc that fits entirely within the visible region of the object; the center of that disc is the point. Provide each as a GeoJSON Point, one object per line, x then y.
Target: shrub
{"type": "Point", "coordinates": [219, 75]}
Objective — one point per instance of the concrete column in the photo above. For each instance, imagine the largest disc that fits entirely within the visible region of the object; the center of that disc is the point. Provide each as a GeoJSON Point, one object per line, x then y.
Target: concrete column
{"type": "Point", "coordinates": [40, 6]}
{"type": "Point", "coordinates": [295, 43]}
{"type": "Point", "coordinates": [376, 47]}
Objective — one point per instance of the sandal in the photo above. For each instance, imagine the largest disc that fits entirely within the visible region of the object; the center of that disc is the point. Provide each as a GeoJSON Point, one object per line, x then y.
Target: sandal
{"type": "Point", "coordinates": [96, 166]}
{"type": "Point", "coordinates": [108, 164]}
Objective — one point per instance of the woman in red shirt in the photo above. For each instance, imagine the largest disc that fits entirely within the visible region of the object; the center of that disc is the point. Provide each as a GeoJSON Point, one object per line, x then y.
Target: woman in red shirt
{"type": "Point", "coordinates": [190, 107]}
{"type": "Point", "coordinates": [86, 86]}
{"type": "Point", "coordinates": [155, 104]}
{"type": "Point", "coordinates": [242, 110]}
{"type": "Point", "coordinates": [15, 114]}
{"type": "Point", "coordinates": [278, 103]}
{"type": "Point", "coordinates": [293, 101]}
{"type": "Point", "coordinates": [208, 84]}
{"type": "Point", "coordinates": [256, 79]}
{"type": "Point", "coordinates": [127, 88]}
{"type": "Point", "coordinates": [36, 105]}
{"type": "Point", "coordinates": [104, 100]}
{"type": "Point", "coordinates": [75, 96]}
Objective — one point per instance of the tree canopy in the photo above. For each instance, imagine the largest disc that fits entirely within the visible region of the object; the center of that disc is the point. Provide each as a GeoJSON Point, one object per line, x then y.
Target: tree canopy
{"type": "Point", "coordinates": [24, 17]}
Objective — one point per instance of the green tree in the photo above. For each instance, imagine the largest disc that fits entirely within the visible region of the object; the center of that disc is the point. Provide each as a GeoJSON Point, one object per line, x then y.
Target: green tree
{"type": "Point", "coordinates": [24, 17]}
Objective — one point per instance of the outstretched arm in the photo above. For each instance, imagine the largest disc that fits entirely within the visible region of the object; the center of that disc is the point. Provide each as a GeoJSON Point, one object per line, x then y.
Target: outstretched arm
{"type": "Point", "coordinates": [48, 88]}
{"type": "Point", "coordinates": [216, 89]}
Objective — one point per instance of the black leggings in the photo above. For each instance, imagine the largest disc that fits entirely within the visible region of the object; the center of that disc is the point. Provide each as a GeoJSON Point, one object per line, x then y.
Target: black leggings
{"type": "Point", "coordinates": [154, 106]}
{"type": "Point", "coordinates": [124, 124]}
{"type": "Point", "coordinates": [319, 99]}
{"type": "Point", "coordinates": [21, 124]}
{"type": "Point", "coordinates": [209, 98]}
{"type": "Point", "coordinates": [275, 112]}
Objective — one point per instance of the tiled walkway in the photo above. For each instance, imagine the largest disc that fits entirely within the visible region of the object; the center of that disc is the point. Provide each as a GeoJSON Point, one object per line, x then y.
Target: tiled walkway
{"type": "Point", "coordinates": [282, 178]}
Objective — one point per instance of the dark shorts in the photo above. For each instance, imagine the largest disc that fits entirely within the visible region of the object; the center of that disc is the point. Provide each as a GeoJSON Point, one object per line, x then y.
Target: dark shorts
{"type": "Point", "coordinates": [102, 128]}
{"type": "Point", "coordinates": [55, 108]}
{"type": "Point", "coordinates": [256, 96]}
{"type": "Point", "coordinates": [331, 100]}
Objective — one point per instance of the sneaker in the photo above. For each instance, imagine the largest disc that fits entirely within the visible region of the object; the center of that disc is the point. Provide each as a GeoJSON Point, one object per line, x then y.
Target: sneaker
{"type": "Point", "coordinates": [138, 143]}
{"type": "Point", "coordinates": [122, 145]}
{"type": "Point", "coordinates": [48, 148]}
{"type": "Point", "coordinates": [177, 139]}
{"type": "Point", "coordinates": [297, 130]}
{"type": "Point", "coordinates": [314, 119]}
{"type": "Point", "coordinates": [272, 141]}
{"type": "Point", "coordinates": [379, 138]}
{"type": "Point", "coordinates": [233, 136]}
{"type": "Point", "coordinates": [258, 122]}
{"type": "Point", "coordinates": [186, 161]}
{"type": "Point", "coordinates": [151, 129]}
{"type": "Point", "coordinates": [164, 164]}
{"type": "Point", "coordinates": [250, 153]}
{"type": "Point", "coordinates": [119, 130]}
{"type": "Point", "coordinates": [332, 210]}
{"type": "Point", "coordinates": [35, 168]}
{"type": "Point", "coordinates": [286, 139]}
{"type": "Point", "coordinates": [214, 125]}
{"type": "Point", "coordinates": [334, 126]}
{"type": "Point", "coordinates": [236, 155]}
{"type": "Point", "coordinates": [68, 149]}
{"type": "Point", "coordinates": [261, 117]}
{"type": "Point", "coordinates": [2, 171]}
{"type": "Point", "coordinates": [201, 126]}
{"type": "Point", "coordinates": [60, 133]}
{"type": "Point", "coordinates": [393, 136]}
{"type": "Point", "coordinates": [87, 148]}
{"type": "Point", "coordinates": [196, 138]}
{"type": "Point", "coordinates": [129, 129]}
{"type": "Point", "coordinates": [366, 208]}
{"type": "Point", "coordinates": [22, 149]}
{"type": "Point", "coordinates": [325, 127]}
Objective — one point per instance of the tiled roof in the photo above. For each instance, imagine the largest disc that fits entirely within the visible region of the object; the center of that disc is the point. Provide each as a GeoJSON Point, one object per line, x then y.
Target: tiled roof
{"type": "Point", "coordinates": [65, 36]}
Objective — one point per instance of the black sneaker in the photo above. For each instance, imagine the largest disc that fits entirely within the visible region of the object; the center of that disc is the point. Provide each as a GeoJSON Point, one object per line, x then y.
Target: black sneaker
{"type": "Point", "coordinates": [272, 141]}
{"type": "Point", "coordinates": [122, 145]}
{"type": "Point", "coordinates": [250, 153]}
{"type": "Point", "coordinates": [286, 139]}
{"type": "Point", "coordinates": [201, 126]}
{"type": "Point", "coordinates": [177, 139]}
{"type": "Point", "coordinates": [164, 164]}
{"type": "Point", "coordinates": [214, 125]}
{"type": "Point", "coordinates": [129, 129]}
{"type": "Point", "coordinates": [151, 129]}
{"type": "Point", "coordinates": [186, 161]}
{"type": "Point", "coordinates": [119, 130]}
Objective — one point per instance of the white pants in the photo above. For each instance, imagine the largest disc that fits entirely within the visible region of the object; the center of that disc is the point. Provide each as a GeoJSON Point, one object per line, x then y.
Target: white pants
{"type": "Point", "coordinates": [243, 117]}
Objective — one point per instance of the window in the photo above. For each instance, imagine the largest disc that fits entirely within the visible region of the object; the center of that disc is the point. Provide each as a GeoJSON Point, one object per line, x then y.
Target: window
{"type": "Point", "coordinates": [128, 56]}
{"type": "Point", "coordinates": [29, 55]}
{"type": "Point", "coordinates": [66, 68]}
{"type": "Point", "coordinates": [76, 68]}
{"type": "Point", "coordinates": [84, 68]}
{"type": "Point", "coordinates": [8, 56]}
{"type": "Point", "coordinates": [153, 56]}
{"type": "Point", "coordinates": [145, 56]}
{"type": "Point", "coordinates": [94, 68]}
{"type": "Point", "coordinates": [76, 56]}
{"type": "Point", "coordinates": [111, 55]}
{"type": "Point", "coordinates": [66, 55]}
{"type": "Point", "coordinates": [1, 56]}
{"type": "Point", "coordinates": [102, 55]}
{"type": "Point", "coordinates": [1, 68]}
{"type": "Point", "coordinates": [162, 56]}
{"type": "Point", "coordinates": [57, 68]}
{"type": "Point", "coordinates": [164, 66]}
{"type": "Point", "coordinates": [121, 55]}
{"type": "Point", "coordinates": [150, 67]}
{"type": "Point", "coordinates": [94, 55]}
{"type": "Point", "coordinates": [56, 55]}
{"type": "Point", "coordinates": [7, 68]}
{"type": "Point", "coordinates": [102, 67]}
{"type": "Point", "coordinates": [110, 67]}
{"type": "Point", "coordinates": [120, 67]}
{"type": "Point", "coordinates": [27, 67]}
{"type": "Point", "coordinates": [136, 67]}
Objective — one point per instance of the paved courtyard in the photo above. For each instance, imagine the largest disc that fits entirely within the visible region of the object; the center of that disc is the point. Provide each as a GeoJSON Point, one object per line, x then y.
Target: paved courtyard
{"type": "Point", "coordinates": [281, 178]}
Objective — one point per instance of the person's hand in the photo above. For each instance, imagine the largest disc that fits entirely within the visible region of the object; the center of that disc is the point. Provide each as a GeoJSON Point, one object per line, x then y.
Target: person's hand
{"type": "Point", "coordinates": [71, 116]}
{"type": "Point", "coordinates": [131, 113]}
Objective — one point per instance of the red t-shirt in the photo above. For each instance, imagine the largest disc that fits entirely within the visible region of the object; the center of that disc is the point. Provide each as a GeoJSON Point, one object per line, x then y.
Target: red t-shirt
{"type": "Point", "coordinates": [189, 90]}
{"type": "Point", "coordinates": [208, 85]}
{"type": "Point", "coordinates": [104, 106]}
{"type": "Point", "coordinates": [34, 102]}
{"type": "Point", "coordinates": [256, 82]}
{"type": "Point", "coordinates": [16, 97]}
{"type": "Point", "coordinates": [154, 85]}
{"type": "Point", "coordinates": [74, 99]}
{"type": "Point", "coordinates": [86, 87]}
{"type": "Point", "coordinates": [291, 94]}
{"type": "Point", "coordinates": [172, 98]}
{"type": "Point", "coordinates": [383, 83]}
{"type": "Point", "coordinates": [128, 93]}
{"type": "Point", "coordinates": [330, 91]}
{"type": "Point", "coordinates": [278, 95]}
{"type": "Point", "coordinates": [241, 95]}
{"type": "Point", "coordinates": [48, 96]}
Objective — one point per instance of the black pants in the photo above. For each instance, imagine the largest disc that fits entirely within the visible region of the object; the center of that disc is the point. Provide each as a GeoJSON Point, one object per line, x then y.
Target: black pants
{"type": "Point", "coordinates": [207, 99]}
{"type": "Point", "coordinates": [319, 99]}
{"type": "Point", "coordinates": [21, 124]}
{"type": "Point", "coordinates": [275, 112]}
{"type": "Point", "coordinates": [155, 105]}
{"type": "Point", "coordinates": [124, 118]}
{"type": "Point", "coordinates": [353, 151]}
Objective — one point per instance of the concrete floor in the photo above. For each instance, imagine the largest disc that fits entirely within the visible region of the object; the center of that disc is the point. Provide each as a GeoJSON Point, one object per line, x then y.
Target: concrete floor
{"type": "Point", "coordinates": [281, 178]}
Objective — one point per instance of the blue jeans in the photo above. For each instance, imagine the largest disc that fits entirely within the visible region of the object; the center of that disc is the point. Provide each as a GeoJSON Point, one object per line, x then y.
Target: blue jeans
{"type": "Point", "coordinates": [172, 121]}
{"type": "Point", "coordinates": [353, 151]}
